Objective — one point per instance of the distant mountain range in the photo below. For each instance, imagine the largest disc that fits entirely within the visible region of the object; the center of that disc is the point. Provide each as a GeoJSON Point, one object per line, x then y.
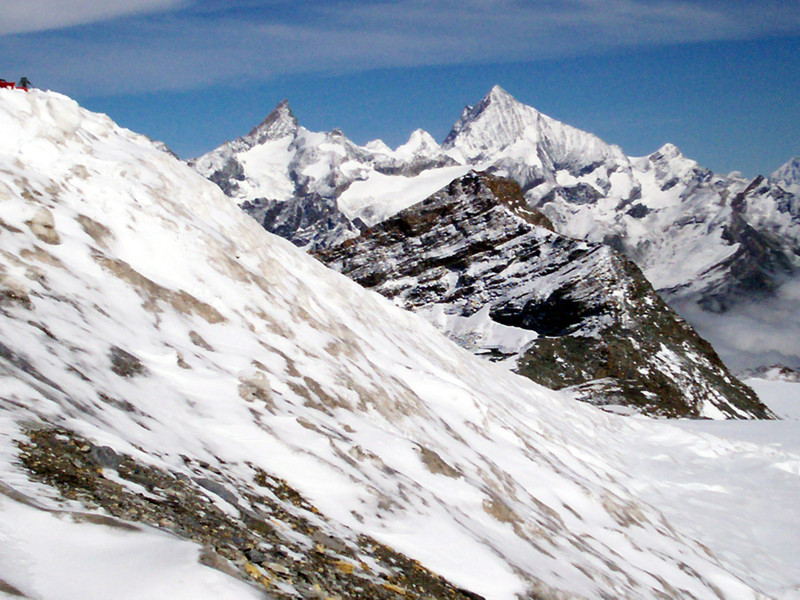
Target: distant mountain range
{"type": "Point", "coordinates": [721, 249]}
{"type": "Point", "coordinates": [193, 407]}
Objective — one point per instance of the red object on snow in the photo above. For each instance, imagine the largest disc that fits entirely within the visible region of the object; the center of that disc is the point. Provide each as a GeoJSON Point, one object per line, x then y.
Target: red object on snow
{"type": "Point", "coordinates": [9, 85]}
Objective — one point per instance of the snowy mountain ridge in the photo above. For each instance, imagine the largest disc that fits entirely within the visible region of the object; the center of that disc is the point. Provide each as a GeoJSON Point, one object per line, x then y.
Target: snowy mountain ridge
{"type": "Point", "coordinates": [166, 365]}
{"type": "Point", "coordinates": [722, 249]}
{"type": "Point", "coordinates": [279, 162]}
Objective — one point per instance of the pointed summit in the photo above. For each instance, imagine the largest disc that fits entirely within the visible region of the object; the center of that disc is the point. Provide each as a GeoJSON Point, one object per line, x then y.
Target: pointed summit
{"type": "Point", "coordinates": [279, 123]}
{"type": "Point", "coordinates": [500, 127]}
{"type": "Point", "coordinates": [498, 94]}
{"type": "Point", "coordinates": [788, 173]}
{"type": "Point", "coordinates": [420, 143]}
{"type": "Point", "coordinates": [493, 123]}
{"type": "Point", "coordinates": [666, 152]}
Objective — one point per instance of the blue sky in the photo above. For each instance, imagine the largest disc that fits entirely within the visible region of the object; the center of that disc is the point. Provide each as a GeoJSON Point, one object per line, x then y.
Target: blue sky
{"type": "Point", "coordinates": [719, 78]}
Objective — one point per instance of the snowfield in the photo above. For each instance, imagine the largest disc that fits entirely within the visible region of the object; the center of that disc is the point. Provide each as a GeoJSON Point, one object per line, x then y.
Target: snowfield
{"type": "Point", "coordinates": [142, 310]}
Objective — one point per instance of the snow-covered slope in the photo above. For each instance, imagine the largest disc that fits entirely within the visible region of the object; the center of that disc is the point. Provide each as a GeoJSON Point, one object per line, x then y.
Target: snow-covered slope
{"type": "Point", "coordinates": [165, 360]}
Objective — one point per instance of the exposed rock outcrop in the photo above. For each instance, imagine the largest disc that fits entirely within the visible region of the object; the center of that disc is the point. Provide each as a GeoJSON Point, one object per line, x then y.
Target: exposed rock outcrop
{"type": "Point", "coordinates": [475, 248]}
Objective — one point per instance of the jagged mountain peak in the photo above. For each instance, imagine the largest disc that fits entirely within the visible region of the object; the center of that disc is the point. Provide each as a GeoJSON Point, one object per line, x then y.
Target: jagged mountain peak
{"type": "Point", "coordinates": [500, 100]}
{"type": "Point", "coordinates": [279, 123]}
{"type": "Point", "coordinates": [498, 93]}
{"type": "Point", "coordinates": [496, 121]}
{"type": "Point", "coordinates": [501, 127]}
{"type": "Point", "coordinates": [789, 172]}
{"type": "Point", "coordinates": [378, 146]}
{"type": "Point", "coordinates": [668, 151]}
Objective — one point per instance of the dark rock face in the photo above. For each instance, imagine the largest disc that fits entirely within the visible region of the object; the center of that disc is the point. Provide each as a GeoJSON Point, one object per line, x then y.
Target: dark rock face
{"type": "Point", "coordinates": [228, 176]}
{"type": "Point", "coordinates": [125, 364]}
{"type": "Point", "coordinates": [306, 222]}
{"type": "Point", "coordinates": [757, 268]}
{"type": "Point", "coordinates": [578, 194]}
{"type": "Point", "coordinates": [638, 211]}
{"type": "Point", "coordinates": [475, 244]}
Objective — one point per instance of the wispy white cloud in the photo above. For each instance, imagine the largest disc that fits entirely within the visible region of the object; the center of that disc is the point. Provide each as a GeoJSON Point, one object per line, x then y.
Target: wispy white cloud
{"type": "Point", "coordinates": [753, 333]}
{"type": "Point", "coordinates": [206, 44]}
{"type": "Point", "coordinates": [24, 16]}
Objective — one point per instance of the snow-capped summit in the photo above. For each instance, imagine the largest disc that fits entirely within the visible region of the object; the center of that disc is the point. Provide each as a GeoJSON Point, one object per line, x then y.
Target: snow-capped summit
{"type": "Point", "coordinates": [491, 125]}
{"type": "Point", "coordinates": [668, 151]}
{"type": "Point", "coordinates": [500, 127]}
{"type": "Point", "coordinates": [419, 144]}
{"type": "Point", "coordinates": [670, 165]}
{"type": "Point", "coordinates": [788, 176]}
{"type": "Point", "coordinates": [281, 122]}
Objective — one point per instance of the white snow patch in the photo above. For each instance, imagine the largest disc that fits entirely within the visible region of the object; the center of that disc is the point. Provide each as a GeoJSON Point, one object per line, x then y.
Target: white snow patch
{"type": "Point", "coordinates": [58, 556]}
{"type": "Point", "coordinates": [380, 196]}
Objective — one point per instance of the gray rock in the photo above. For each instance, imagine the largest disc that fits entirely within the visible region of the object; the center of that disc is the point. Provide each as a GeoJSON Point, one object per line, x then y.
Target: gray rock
{"type": "Point", "coordinates": [125, 364]}
{"type": "Point", "coordinates": [104, 457]}
{"type": "Point", "coordinates": [218, 489]}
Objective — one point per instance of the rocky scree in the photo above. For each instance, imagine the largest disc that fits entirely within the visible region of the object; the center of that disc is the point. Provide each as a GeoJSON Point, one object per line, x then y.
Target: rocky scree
{"type": "Point", "coordinates": [278, 541]}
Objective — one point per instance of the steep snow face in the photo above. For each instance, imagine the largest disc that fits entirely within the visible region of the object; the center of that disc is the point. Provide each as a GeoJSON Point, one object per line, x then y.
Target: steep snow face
{"type": "Point", "coordinates": [500, 126]}
{"type": "Point", "coordinates": [143, 311]}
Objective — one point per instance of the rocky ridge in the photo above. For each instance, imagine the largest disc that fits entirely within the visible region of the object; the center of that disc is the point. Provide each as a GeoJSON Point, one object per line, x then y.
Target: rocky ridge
{"type": "Point", "coordinates": [488, 270]}
{"type": "Point", "coordinates": [279, 543]}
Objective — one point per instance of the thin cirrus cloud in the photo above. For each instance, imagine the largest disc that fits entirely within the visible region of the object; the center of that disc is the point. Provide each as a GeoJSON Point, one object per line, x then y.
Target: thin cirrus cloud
{"type": "Point", "coordinates": [204, 42]}
{"type": "Point", "coordinates": [25, 16]}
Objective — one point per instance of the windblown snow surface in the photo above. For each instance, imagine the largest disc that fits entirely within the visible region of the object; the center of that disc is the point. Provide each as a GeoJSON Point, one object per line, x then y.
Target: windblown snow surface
{"type": "Point", "coordinates": [137, 305]}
